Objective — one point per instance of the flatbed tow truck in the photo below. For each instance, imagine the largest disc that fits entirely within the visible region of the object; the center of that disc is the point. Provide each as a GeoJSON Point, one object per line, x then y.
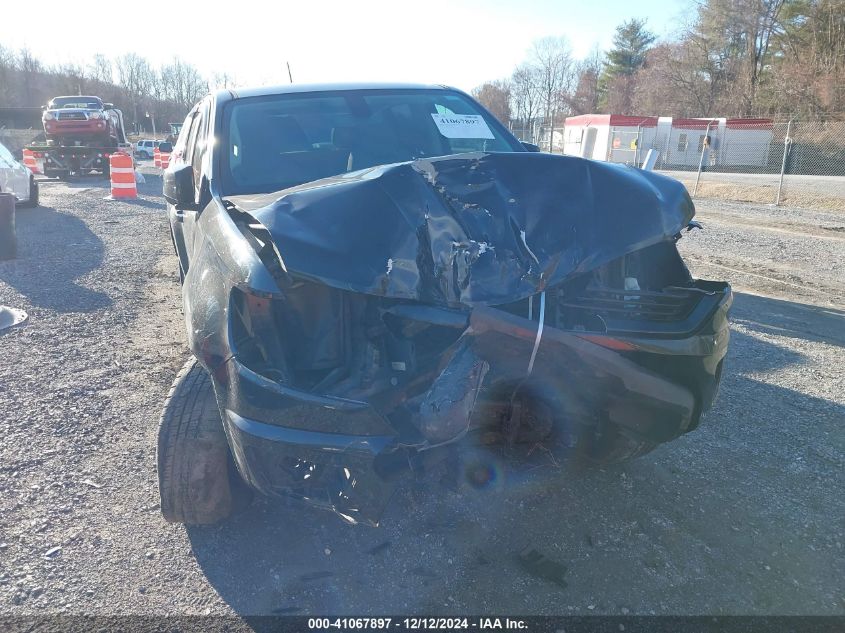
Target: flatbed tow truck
{"type": "Point", "coordinates": [81, 132]}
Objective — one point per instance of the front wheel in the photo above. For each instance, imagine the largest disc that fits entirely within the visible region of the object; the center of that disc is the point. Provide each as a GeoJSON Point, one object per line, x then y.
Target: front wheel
{"type": "Point", "coordinates": [198, 481]}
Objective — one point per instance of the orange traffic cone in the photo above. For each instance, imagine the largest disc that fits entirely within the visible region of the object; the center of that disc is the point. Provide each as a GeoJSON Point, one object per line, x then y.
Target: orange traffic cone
{"type": "Point", "coordinates": [122, 176]}
{"type": "Point", "coordinates": [30, 162]}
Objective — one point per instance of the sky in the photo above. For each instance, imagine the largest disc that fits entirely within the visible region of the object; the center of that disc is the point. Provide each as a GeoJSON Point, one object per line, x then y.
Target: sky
{"type": "Point", "coordinates": [460, 43]}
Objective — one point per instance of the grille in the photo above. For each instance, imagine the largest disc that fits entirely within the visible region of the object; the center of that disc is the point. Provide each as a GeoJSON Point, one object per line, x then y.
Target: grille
{"type": "Point", "coordinates": [613, 305]}
{"type": "Point", "coordinates": [72, 116]}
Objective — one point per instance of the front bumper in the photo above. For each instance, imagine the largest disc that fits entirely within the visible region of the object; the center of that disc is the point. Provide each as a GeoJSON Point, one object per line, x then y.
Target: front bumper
{"type": "Point", "coordinates": [91, 127]}
{"type": "Point", "coordinates": [290, 443]}
{"type": "Point", "coordinates": [332, 471]}
{"type": "Point", "coordinates": [331, 452]}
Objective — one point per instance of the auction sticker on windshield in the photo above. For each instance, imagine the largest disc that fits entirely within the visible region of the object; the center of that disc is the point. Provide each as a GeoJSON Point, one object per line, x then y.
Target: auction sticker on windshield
{"type": "Point", "coordinates": [462, 125]}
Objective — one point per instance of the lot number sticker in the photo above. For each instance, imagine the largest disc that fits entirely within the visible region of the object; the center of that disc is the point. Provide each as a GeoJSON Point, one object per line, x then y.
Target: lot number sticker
{"type": "Point", "coordinates": [462, 125]}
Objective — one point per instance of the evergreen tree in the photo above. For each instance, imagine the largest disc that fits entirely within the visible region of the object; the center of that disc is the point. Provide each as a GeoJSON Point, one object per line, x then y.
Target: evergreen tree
{"type": "Point", "coordinates": [631, 43]}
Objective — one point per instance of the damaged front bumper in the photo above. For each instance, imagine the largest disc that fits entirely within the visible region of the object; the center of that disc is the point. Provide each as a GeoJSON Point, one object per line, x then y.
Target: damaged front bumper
{"type": "Point", "coordinates": [322, 450]}
{"type": "Point", "coordinates": [342, 454]}
{"type": "Point", "coordinates": [359, 323]}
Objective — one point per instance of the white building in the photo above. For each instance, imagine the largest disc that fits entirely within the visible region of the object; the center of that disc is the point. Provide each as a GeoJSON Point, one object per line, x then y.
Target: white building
{"type": "Point", "coordinates": [626, 139]}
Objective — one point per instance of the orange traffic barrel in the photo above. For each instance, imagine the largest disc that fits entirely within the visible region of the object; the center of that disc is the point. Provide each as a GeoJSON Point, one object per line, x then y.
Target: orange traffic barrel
{"type": "Point", "coordinates": [165, 159]}
{"type": "Point", "coordinates": [122, 176]}
{"type": "Point", "coordinates": [30, 162]}
{"type": "Point", "coordinates": [157, 157]}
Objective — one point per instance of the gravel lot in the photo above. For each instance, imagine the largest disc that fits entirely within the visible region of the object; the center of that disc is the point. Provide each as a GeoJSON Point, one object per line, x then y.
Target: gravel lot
{"type": "Point", "coordinates": [808, 191]}
{"type": "Point", "coordinates": [744, 516]}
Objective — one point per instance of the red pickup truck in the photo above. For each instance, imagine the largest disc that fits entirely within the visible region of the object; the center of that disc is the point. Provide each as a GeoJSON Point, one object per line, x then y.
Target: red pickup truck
{"type": "Point", "coordinates": [71, 120]}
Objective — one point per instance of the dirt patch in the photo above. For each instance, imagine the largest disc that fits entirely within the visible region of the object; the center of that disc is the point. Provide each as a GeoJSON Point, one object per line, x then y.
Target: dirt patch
{"type": "Point", "coordinates": [766, 194]}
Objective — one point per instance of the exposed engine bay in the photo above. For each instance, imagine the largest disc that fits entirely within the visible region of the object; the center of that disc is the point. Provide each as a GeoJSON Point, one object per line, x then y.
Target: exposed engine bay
{"type": "Point", "coordinates": [523, 293]}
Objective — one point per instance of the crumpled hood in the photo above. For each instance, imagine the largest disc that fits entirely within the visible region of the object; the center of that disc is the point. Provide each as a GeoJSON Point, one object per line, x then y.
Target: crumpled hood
{"type": "Point", "coordinates": [471, 228]}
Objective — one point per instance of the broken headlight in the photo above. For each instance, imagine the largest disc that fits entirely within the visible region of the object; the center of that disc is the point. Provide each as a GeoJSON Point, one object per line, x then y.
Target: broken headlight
{"type": "Point", "coordinates": [297, 339]}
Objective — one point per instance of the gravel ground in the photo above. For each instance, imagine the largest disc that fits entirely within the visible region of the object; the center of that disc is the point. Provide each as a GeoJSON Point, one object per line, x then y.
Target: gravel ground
{"type": "Point", "coordinates": [809, 192]}
{"type": "Point", "coordinates": [743, 516]}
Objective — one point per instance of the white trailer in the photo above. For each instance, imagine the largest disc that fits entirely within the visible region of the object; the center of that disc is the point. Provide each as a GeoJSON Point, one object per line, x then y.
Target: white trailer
{"type": "Point", "coordinates": [626, 139]}
{"type": "Point", "coordinates": [610, 137]}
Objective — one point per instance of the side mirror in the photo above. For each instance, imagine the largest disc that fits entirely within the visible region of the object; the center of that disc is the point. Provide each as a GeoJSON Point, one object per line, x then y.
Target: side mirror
{"type": "Point", "coordinates": [179, 187]}
{"type": "Point", "coordinates": [531, 147]}
{"type": "Point", "coordinates": [165, 147]}
{"type": "Point", "coordinates": [45, 107]}
{"type": "Point", "coordinates": [108, 106]}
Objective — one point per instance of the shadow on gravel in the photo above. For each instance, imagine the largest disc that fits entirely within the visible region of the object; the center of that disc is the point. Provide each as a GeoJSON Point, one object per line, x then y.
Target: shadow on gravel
{"type": "Point", "coordinates": [54, 250]}
{"type": "Point", "coordinates": [683, 529]}
{"type": "Point", "coordinates": [92, 181]}
{"type": "Point", "coordinates": [151, 187]}
{"type": "Point", "coordinates": [786, 318]}
{"type": "Point", "coordinates": [147, 204]}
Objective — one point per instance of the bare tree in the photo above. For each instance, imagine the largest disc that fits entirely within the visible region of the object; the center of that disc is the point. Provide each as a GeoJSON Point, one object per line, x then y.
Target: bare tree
{"type": "Point", "coordinates": [552, 58]}
{"type": "Point", "coordinates": [496, 97]}
{"type": "Point", "coordinates": [585, 98]}
{"type": "Point", "coordinates": [525, 95]}
{"type": "Point", "coordinates": [182, 83]}
{"type": "Point", "coordinates": [129, 82]}
{"type": "Point", "coordinates": [100, 70]}
{"type": "Point", "coordinates": [136, 77]}
{"type": "Point", "coordinates": [808, 60]}
{"type": "Point", "coordinates": [30, 68]}
{"type": "Point", "coordinates": [71, 79]}
{"type": "Point", "coordinates": [8, 70]}
{"type": "Point", "coordinates": [737, 35]}
{"type": "Point", "coordinates": [224, 80]}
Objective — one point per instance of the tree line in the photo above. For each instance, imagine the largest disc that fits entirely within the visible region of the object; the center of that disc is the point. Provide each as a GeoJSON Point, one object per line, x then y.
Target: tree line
{"type": "Point", "coordinates": [735, 58]}
{"type": "Point", "coordinates": [146, 94]}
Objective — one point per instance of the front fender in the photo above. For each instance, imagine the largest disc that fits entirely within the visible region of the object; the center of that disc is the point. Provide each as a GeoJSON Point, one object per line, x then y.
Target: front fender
{"type": "Point", "coordinates": [222, 260]}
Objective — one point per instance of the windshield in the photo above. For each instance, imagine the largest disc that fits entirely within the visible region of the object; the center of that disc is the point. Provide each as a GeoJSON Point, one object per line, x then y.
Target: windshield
{"type": "Point", "coordinates": [281, 141]}
{"type": "Point", "coordinates": [75, 102]}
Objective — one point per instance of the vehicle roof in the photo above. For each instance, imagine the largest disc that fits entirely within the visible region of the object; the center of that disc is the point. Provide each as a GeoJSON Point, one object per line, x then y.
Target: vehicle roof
{"type": "Point", "coordinates": [81, 97]}
{"type": "Point", "coordinates": [262, 91]}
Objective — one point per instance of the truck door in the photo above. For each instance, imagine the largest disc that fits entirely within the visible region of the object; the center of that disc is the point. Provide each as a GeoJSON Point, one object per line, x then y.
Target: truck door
{"type": "Point", "coordinates": [184, 221]}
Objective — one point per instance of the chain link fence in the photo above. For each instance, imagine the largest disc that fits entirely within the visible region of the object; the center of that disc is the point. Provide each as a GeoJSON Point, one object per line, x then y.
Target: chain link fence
{"type": "Point", "coordinates": [793, 162]}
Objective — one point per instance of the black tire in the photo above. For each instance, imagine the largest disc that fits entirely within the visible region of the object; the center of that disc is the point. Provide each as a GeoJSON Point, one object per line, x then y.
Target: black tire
{"type": "Point", "coordinates": [606, 444]}
{"type": "Point", "coordinates": [33, 195]}
{"type": "Point", "coordinates": [197, 479]}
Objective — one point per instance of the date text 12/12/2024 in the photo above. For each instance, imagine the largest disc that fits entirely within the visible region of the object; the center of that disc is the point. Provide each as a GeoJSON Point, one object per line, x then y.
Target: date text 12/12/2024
{"type": "Point", "coordinates": [417, 623]}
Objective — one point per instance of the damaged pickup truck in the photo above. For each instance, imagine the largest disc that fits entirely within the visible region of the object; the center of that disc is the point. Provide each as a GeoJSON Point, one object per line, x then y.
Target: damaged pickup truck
{"type": "Point", "coordinates": [375, 275]}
